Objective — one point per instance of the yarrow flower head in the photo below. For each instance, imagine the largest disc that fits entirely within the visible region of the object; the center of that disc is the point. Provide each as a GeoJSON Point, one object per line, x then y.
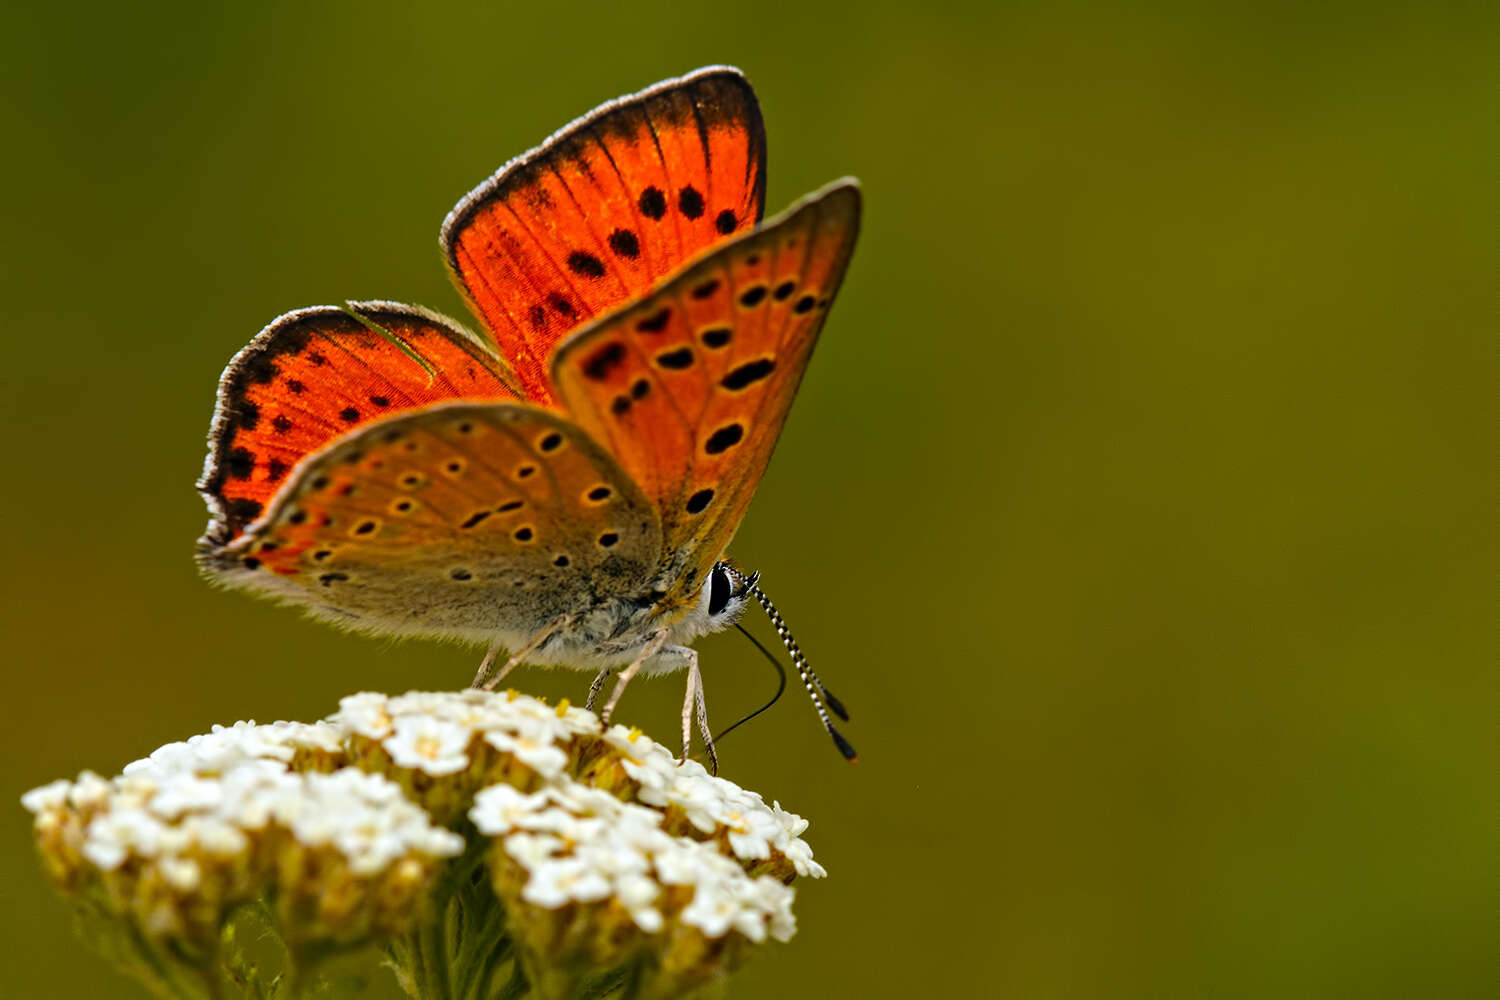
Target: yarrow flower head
{"type": "Point", "coordinates": [183, 838]}
{"type": "Point", "coordinates": [604, 859]}
{"type": "Point", "coordinates": [602, 883]}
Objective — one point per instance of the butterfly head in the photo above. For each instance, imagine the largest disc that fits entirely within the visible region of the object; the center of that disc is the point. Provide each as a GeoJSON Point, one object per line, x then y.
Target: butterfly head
{"type": "Point", "coordinates": [722, 599]}
{"type": "Point", "coordinates": [730, 590]}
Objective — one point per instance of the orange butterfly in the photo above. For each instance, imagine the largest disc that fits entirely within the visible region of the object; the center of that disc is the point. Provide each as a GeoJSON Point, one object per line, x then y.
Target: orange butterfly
{"type": "Point", "coordinates": [565, 487]}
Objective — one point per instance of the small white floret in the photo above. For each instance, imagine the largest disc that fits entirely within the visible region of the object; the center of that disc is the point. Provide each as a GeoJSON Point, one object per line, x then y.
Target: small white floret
{"type": "Point", "coordinates": [427, 744]}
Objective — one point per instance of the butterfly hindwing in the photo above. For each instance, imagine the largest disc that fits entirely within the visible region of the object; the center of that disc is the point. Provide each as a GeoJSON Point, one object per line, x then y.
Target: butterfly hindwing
{"type": "Point", "coordinates": [459, 520]}
{"type": "Point", "coordinates": [689, 387]}
{"type": "Point", "coordinates": [315, 374]}
{"type": "Point", "coordinates": [604, 209]}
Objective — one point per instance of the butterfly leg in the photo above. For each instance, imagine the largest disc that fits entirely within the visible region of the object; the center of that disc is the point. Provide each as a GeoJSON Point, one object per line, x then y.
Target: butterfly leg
{"type": "Point", "coordinates": [653, 645]}
{"type": "Point", "coordinates": [482, 679]}
{"type": "Point", "coordinates": [690, 701]}
{"type": "Point", "coordinates": [696, 704]}
{"type": "Point", "coordinates": [486, 665]}
{"type": "Point", "coordinates": [595, 687]}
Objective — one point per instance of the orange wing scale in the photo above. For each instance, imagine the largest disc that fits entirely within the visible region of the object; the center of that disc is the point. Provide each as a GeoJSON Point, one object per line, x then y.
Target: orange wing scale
{"type": "Point", "coordinates": [314, 375]}
{"type": "Point", "coordinates": [604, 209]}
{"type": "Point", "coordinates": [689, 388]}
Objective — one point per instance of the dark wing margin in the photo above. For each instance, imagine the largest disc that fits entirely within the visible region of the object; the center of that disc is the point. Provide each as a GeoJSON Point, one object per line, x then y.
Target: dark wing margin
{"type": "Point", "coordinates": [314, 374]}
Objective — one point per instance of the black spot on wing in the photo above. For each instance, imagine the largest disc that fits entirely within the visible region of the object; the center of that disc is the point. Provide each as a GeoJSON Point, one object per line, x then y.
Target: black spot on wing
{"type": "Point", "coordinates": [716, 337]}
{"type": "Point", "coordinates": [653, 203]}
{"type": "Point", "coordinates": [624, 243]}
{"type": "Point", "coordinates": [656, 322]}
{"type": "Point", "coordinates": [699, 501]}
{"type": "Point", "coordinates": [724, 438]}
{"type": "Point", "coordinates": [585, 264]}
{"type": "Point", "coordinates": [604, 360]}
{"type": "Point", "coordinates": [748, 374]}
{"type": "Point", "coordinates": [677, 360]}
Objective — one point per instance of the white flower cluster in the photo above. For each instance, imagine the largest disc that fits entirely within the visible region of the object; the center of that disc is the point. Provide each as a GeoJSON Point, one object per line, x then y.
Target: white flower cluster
{"type": "Point", "coordinates": [203, 799]}
{"type": "Point", "coordinates": [226, 747]}
{"type": "Point", "coordinates": [712, 804]}
{"type": "Point", "coordinates": [582, 845]}
{"type": "Point", "coordinates": [604, 852]}
{"type": "Point", "coordinates": [433, 731]}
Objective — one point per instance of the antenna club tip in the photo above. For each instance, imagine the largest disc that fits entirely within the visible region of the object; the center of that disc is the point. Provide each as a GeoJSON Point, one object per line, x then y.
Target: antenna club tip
{"type": "Point", "coordinates": [854, 759]}
{"type": "Point", "coordinates": [845, 747]}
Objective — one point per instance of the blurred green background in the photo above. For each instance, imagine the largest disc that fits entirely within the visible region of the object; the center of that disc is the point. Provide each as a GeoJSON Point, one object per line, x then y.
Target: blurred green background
{"type": "Point", "coordinates": [1135, 501]}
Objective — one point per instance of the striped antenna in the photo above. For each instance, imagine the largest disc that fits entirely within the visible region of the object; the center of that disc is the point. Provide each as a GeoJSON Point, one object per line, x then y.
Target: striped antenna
{"type": "Point", "coordinates": [815, 689]}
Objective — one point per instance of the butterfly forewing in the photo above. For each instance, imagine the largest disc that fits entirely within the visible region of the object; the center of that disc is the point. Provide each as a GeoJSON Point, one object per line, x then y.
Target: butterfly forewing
{"type": "Point", "coordinates": [689, 388]}
{"type": "Point", "coordinates": [460, 520]}
{"type": "Point", "coordinates": [604, 209]}
{"type": "Point", "coordinates": [316, 374]}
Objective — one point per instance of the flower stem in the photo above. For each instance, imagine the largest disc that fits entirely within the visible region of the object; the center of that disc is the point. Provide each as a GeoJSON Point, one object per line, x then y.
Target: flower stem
{"type": "Point", "coordinates": [434, 946]}
{"type": "Point", "coordinates": [515, 987]}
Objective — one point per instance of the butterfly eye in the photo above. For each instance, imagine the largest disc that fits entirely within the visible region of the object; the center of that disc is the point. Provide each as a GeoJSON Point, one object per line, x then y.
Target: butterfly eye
{"type": "Point", "coordinates": [719, 590]}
